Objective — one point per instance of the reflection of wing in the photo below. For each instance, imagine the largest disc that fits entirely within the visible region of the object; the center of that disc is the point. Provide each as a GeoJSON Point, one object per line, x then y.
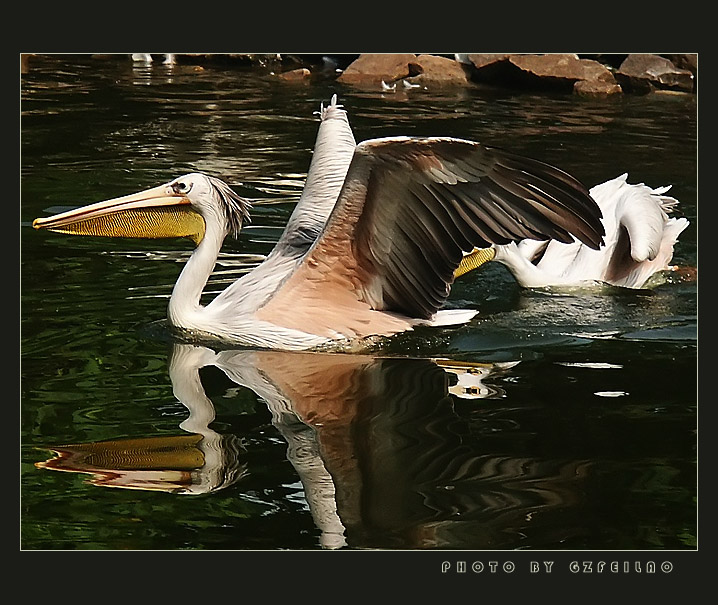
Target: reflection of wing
{"type": "Point", "coordinates": [318, 388]}
{"type": "Point", "coordinates": [305, 391]}
{"type": "Point", "coordinates": [322, 388]}
{"type": "Point", "coordinates": [407, 211]}
{"type": "Point", "coordinates": [380, 450]}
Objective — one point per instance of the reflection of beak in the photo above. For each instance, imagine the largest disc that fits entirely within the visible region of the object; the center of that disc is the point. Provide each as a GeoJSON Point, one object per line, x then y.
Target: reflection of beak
{"type": "Point", "coordinates": [152, 463]}
{"type": "Point", "coordinates": [184, 464]}
{"type": "Point", "coordinates": [154, 213]}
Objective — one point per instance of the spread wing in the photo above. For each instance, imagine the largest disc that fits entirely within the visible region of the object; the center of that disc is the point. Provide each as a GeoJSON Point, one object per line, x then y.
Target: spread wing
{"type": "Point", "coordinates": [410, 207]}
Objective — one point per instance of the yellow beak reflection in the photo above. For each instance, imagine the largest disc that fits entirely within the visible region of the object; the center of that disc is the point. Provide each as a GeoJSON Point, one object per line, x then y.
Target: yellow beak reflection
{"type": "Point", "coordinates": [155, 213]}
{"type": "Point", "coordinates": [147, 463]}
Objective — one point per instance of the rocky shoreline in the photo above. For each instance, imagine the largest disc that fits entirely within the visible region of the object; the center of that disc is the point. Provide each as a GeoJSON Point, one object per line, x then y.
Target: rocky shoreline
{"type": "Point", "coordinates": [582, 74]}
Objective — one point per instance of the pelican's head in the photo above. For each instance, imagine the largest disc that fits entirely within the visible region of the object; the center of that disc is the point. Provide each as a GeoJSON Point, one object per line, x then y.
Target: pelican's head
{"type": "Point", "coordinates": [180, 208]}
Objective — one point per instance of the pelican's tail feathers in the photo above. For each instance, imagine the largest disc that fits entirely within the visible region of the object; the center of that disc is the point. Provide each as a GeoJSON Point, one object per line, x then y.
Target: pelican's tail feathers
{"type": "Point", "coordinates": [668, 203]}
{"type": "Point", "coordinates": [329, 110]}
{"type": "Point", "coordinates": [676, 226]}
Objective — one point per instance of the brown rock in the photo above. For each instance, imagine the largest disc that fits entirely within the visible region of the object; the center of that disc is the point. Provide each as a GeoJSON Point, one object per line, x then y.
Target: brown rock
{"type": "Point", "coordinates": [24, 63]}
{"type": "Point", "coordinates": [432, 70]}
{"type": "Point", "coordinates": [562, 71]}
{"type": "Point", "coordinates": [296, 75]}
{"type": "Point", "coordinates": [562, 67]}
{"type": "Point", "coordinates": [643, 72]}
{"type": "Point", "coordinates": [371, 69]}
{"type": "Point", "coordinates": [479, 61]}
{"type": "Point", "coordinates": [686, 61]}
{"type": "Point", "coordinates": [596, 88]}
{"type": "Point", "coordinates": [490, 68]}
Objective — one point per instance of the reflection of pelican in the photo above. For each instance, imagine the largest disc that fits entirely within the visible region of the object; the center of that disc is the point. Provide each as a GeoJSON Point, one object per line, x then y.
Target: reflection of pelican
{"type": "Point", "coordinates": [380, 448]}
{"type": "Point", "coordinates": [382, 453]}
{"type": "Point", "coordinates": [639, 243]}
{"type": "Point", "coordinates": [372, 245]}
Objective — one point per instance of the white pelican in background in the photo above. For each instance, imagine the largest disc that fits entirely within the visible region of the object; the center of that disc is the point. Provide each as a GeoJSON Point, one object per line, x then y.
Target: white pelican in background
{"type": "Point", "coordinates": [372, 246]}
{"type": "Point", "coordinates": [639, 242]}
{"type": "Point", "coordinates": [146, 58]}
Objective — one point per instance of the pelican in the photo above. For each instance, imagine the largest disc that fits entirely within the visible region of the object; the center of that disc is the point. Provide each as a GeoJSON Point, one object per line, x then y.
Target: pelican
{"type": "Point", "coordinates": [169, 59]}
{"type": "Point", "coordinates": [370, 249]}
{"type": "Point", "coordinates": [142, 57]}
{"type": "Point", "coordinates": [639, 242]}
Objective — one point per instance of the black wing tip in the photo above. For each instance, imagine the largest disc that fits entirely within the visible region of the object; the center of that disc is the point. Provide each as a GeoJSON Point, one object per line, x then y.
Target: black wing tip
{"type": "Point", "coordinates": [574, 195]}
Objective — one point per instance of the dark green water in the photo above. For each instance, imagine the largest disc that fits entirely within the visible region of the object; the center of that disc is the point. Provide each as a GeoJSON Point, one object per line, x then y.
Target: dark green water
{"type": "Point", "coordinates": [581, 431]}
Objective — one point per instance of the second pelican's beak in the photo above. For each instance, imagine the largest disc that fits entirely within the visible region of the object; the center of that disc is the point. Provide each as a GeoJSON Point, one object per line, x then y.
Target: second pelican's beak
{"type": "Point", "coordinates": [474, 259]}
{"type": "Point", "coordinates": [155, 213]}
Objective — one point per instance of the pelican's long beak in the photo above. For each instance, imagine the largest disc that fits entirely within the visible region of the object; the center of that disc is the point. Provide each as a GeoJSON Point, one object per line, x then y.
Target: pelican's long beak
{"type": "Point", "coordinates": [155, 213]}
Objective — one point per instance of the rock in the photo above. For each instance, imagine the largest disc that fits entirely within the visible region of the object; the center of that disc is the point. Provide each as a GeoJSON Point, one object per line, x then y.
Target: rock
{"type": "Point", "coordinates": [295, 75]}
{"type": "Point", "coordinates": [371, 69]}
{"type": "Point", "coordinates": [24, 63]}
{"type": "Point", "coordinates": [479, 61]}
{"type": "Point", "coordinates": [689, 62]}
{"type": "Point", "coordinates": [644, 72]}
{"type": "Point", "coordinates": [596, 88]}
{"type": "Point", "coordinates": [432, 70]}
{"type": "Point", "coordinates": [490, 68]}
{"type": "Point", "coordinates": [562, 69]}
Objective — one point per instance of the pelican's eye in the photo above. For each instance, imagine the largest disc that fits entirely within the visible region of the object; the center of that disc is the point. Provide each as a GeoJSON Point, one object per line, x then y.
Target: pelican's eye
{"type": "Point", "coordinates": [181, 187]}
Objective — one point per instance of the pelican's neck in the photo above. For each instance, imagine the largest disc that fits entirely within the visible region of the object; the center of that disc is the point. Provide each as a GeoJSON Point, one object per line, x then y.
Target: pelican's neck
{"type": "Point", "coordinates": [185, 300]}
